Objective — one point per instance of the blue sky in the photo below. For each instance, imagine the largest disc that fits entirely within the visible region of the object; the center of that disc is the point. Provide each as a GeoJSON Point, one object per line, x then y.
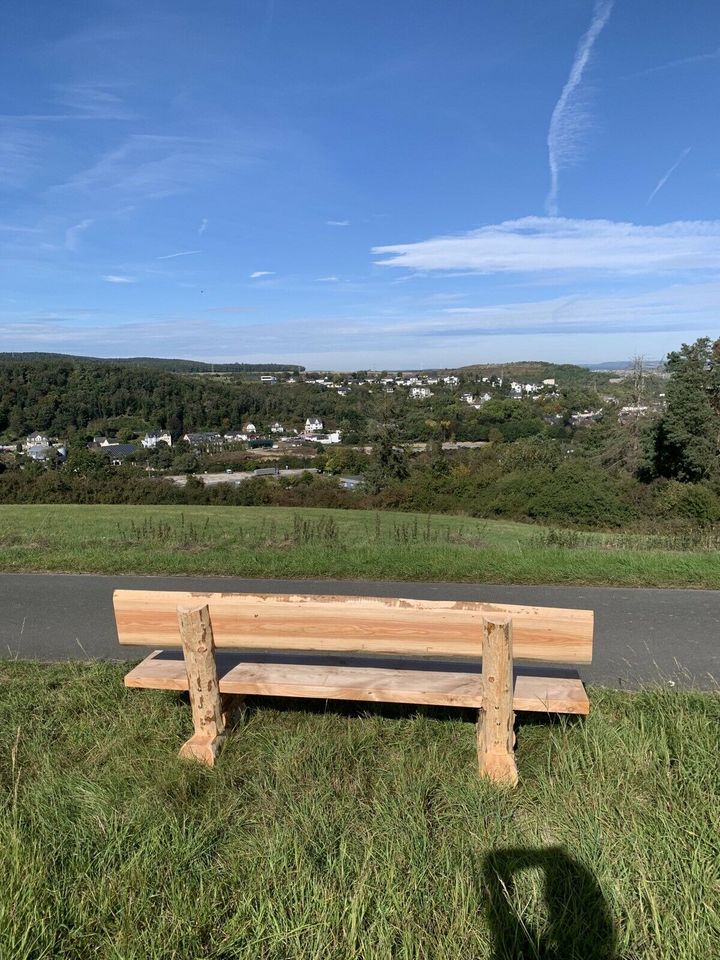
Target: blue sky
{"type": "Point", "coordinates": [352, 184]}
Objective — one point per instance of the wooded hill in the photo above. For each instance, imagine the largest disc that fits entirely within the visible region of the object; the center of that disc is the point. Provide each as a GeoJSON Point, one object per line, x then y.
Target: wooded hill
{"type": "Point", "coordinates": [534, 371]}
{"type": "Point", "coordinates": [64, 397]}
{"type": "Point", "coordinates": [157, 363]}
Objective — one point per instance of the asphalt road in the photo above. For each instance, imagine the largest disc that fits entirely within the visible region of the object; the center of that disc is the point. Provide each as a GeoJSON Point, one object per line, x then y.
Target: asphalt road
{"type": "Point", "coordinates": [641, 636]}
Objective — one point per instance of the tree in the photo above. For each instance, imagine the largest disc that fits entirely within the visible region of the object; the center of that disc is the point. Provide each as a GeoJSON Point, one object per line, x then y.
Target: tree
{"type": "Point", "coordinates": [387, 463]}
{"type": "Point", "coordinates": [687, 438]}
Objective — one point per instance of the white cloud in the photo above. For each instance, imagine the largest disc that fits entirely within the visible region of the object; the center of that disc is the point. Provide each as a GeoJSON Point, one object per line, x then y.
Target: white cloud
{"type": "Point", "coordinates": [72, 234]}
{"type": "Point", "coordinates": [203, 226]}
{"type": "Point", "coordinates": [182, 253]}
{"type": "Point", "coordinates": [584, 328]}
{"type": "Point", "coordinates": [327, 279]}
{"type": "Point", "coordinates": [117, 278]}
{"type": "Point", "coordinates": [338, 223]}
{"type": "Point", "coordinates": [677, 307]}
{"type": "Point", "coordinates": [262, 273]}
{"type": "Point", "coordinates": [664, 179]}
{"type": "Point", "coordinates": [568, 118]}
{"type": "Point", "coordinates": [537, 244]}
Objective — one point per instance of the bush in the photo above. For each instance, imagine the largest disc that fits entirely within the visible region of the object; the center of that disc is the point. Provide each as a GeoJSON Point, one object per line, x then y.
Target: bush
{"type": "Point", "coordinates": [691, 501]}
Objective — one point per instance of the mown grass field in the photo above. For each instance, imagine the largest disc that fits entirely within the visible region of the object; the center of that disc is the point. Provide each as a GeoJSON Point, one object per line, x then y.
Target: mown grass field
{"type": "Point", "coordinates": [289, 542]}
{"type": "Point", "coordinates": [341, 832]}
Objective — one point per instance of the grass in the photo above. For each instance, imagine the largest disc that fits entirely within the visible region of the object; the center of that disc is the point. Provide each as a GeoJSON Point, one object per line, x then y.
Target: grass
{"type": "Point", "coordinates": [341, 832]}
{"type": "Point", "coordinates": [287, 542]}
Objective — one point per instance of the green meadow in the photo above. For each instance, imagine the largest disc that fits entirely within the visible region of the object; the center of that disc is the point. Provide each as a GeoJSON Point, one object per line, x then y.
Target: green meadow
{"type": "Point", "coordinates": [320, 543]}
{"type": "Point", "coordinates": [350, 832]}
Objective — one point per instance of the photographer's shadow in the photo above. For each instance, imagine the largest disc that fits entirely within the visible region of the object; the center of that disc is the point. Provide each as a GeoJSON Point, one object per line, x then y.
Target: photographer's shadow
{"type": "Point", "coordinates": [579, 925]}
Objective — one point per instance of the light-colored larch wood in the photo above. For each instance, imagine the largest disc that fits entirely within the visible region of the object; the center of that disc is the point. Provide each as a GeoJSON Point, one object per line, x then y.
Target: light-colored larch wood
{"type": "Point", "coordinates": [355, 624]}
{"type": "Point", "coordinates": [535, 694]}
{"type": "Point", "coordinates": [196, 634]}
{"type": "Point", "coordinates": [495, 739]}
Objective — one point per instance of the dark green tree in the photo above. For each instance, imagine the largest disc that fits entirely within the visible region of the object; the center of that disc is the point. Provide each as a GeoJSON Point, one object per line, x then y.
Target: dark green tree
{"type": "Point", "coordinates": [388, 462]}
{"type": "Point", "coordinates": [687, 438]}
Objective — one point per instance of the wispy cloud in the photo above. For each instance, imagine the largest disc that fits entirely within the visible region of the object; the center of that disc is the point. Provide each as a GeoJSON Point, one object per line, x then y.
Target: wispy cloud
{"type": "Point", "coordinates": [496, 330]}
{"type": "Point", "coordinates": [118, 278]}
{"type": "Point", "coordinates": [338, 223]}
{"type": "Point", "coordinates": [21, 151]}
{"type": "Point", "coordinates": [679, 307]}
{"type": "Point", "coordinates": [327, 279]}
{"type": "Point", "coordinates": [666, 176]}
{"type": "Point", "coordinates": [230, 310]}
{"type": "Point", "coordinates": [568, 118]}
{"type": "Point", "coordinates": [93, 101]}
{"type": "Point", "coordinates": [181, 253]}
{"type": "Point", "coordinates": [72, 234]}
{"type": "Point", "coordinates": [87, 101]}
{"type": "Point", "coordinates": [682, 62]}
{"type": "Point", "coordinates": [11, 228]}
{"type": "Point", "coordinates": [203, 226]}
{"type": "Point", "coordinates": [151, 167]}
{"type": "Point", "coordinates": [261, 273]}
{"type": "Point", "coordinates": [536, 244]}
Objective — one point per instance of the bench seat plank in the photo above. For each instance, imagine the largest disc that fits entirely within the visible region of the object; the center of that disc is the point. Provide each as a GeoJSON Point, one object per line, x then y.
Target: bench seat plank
{"type": "Point", "coordinates": [386, 685]}
{"type": "Point", "coordinates": [354, 624]}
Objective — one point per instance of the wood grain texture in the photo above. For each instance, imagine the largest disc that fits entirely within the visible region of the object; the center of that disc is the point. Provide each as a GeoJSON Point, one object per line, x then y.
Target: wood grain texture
{"type": "Point", "coordinates": [534, 694]}
{"type": "Point", "coordinates": [495, 738]}
{"type": "Point", "coordinates": [355, 624]}
{"type": "Point", "coordinates": [196, 635]}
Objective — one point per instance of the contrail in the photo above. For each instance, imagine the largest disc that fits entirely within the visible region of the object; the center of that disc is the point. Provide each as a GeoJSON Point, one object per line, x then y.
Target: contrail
{"type": "Point", "coordinates": [566, 118]}
{"type": "Point", "coordinates": [182, 253]}
{"type": "Point", "coordinates": [664, 179]}
{"type": "Point", "coordinates": [698, 58]}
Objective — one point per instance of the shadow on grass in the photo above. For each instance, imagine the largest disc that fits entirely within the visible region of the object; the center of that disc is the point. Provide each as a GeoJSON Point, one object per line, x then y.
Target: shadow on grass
{"type": "Point", "coordinates": [578, 925]}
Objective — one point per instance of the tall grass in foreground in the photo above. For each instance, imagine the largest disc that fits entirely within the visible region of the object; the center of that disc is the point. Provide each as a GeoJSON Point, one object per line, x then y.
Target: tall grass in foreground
{"type": "Point", "coordinates": [338, 831]}
{"type": "Point", "coordinates": [319, 543]}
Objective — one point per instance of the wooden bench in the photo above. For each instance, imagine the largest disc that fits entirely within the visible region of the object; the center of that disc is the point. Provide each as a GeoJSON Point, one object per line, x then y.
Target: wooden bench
{"type": "Point", "coordinates": [343, 644]}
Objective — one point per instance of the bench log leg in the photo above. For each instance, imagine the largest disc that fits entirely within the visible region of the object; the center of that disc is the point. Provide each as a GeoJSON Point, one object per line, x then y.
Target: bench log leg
{"type": "Point", "coordinates": [232, 708]}
{"type": "Point", "coordinates": [495, 737]}
{"type": "Point", "coordinates": [207, 707]}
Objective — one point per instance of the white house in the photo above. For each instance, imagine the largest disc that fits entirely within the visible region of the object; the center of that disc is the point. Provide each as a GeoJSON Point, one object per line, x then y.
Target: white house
{"type": "Point", "coordinates": [151, 440]}
{"type": "Point", "coordinates": [268, 379]}
{"type": "Point", "coordinates": [451, 381]}
{"type": "Point", "coordinates": [277, 428]}
{"type": "Point", "coordinates": [36, 440]}
{"type": "Point", "coordinates": [250, 428]}
{"type": "Point", "coordinates": [420, 393]}
{"type": "Point", "coordinates": [313, 425]}
{"type": "Point", "coordinates": [334, 437]}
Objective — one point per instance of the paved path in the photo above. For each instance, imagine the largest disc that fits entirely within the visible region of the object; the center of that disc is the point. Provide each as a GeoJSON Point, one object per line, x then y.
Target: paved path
{"type": "Point", "coordinates": [640, 636]}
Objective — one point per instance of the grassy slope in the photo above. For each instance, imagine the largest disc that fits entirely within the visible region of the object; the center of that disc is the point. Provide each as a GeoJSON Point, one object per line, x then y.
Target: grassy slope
{"type": "Point", "coordinates": [324, 834]}
{"type": "Point", "coordinates": [283, 542]}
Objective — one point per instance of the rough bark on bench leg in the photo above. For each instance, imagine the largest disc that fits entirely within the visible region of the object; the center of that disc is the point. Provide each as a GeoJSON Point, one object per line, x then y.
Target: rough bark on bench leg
{"type": "Point", "coordinates": [495, 737]}
{"type": "Point", "coordinates": [207, 708]}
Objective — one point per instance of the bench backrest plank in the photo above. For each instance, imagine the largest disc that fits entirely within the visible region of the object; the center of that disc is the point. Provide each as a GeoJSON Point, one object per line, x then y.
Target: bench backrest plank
{"type": "Point", "coordinates": [354, 624]}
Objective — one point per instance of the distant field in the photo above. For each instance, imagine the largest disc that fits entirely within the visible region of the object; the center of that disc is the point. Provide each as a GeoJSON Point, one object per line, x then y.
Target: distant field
{"type": "Point", "coordinates": [303, 543]}
{"type": "Point", "coordinates": [351, 833]}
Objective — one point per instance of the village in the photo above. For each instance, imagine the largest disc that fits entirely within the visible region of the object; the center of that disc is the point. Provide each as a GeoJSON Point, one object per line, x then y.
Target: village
{"type": "Point", "coordinates": [314, 433]}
